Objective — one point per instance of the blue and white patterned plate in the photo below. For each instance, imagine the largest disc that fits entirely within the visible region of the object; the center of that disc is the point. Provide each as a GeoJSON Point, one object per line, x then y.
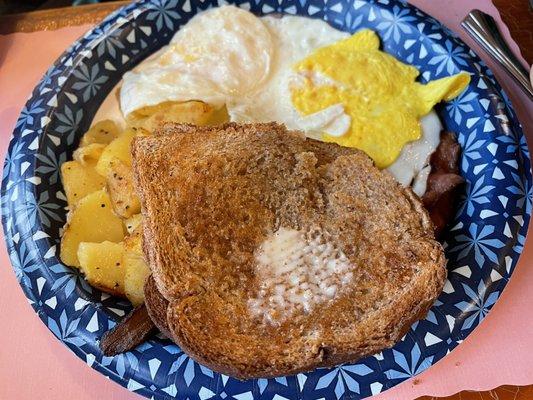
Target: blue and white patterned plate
{"type": "Point", "coordinates": [483, 244]}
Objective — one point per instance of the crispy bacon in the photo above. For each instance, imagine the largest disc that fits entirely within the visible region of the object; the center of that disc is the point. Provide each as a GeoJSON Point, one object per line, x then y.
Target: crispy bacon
{"type": "Point", "coordinates": [443, 182]}
{"type": "Point", "coordinates": [133, 330]}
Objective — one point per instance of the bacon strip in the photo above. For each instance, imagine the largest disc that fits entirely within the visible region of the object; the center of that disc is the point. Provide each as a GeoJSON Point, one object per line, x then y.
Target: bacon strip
{"type": "Point", "coordinates": [133, 330]}
{"type": "Point", "coordinates": [443, 182]}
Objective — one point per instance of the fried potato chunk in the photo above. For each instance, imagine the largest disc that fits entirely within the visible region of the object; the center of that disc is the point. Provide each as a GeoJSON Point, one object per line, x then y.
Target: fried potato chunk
{"type": "Point", "coordinates": [121, 190]}
{"type": "Point", "coordinates": [92, 220]}
{"type": "Point", "coordinates": [89, 155]}
{"type": "Point", "coordinates": [117, 149]}
{"type": "Point", "coordinates": [136, 269]}
{"type": "Point", "coordinates": [191, 112]}
{"type": "Point", "coordinates": [103, 132]}
{"type": "Point", "coordinates": [102, 265]}
{"type": "Point", "coordinates": [79, 181]}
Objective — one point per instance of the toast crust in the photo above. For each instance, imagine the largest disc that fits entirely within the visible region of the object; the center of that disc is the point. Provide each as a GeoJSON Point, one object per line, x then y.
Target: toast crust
{"type": "Point", "coordinates": [156, 306]}
{"type": "Point", "coordinates": [209, 198]}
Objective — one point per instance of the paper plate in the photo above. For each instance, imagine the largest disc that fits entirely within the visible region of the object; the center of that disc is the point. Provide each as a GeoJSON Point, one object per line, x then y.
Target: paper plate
{"type": "Point", "coordinates": [483, 245]}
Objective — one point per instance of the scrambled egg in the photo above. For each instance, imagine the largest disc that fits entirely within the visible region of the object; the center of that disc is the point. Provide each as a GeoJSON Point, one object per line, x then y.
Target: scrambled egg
{"type": "Point", "coordinates": [378, 92]}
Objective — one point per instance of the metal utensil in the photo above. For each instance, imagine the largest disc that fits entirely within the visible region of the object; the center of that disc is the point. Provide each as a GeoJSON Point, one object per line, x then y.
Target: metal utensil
{"type": "Point", "coordinates": [484, 30]}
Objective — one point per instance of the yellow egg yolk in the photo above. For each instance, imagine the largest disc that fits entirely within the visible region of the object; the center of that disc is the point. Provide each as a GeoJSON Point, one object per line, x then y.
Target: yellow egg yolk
{"type": "Point", "coordinates": [378, 92]}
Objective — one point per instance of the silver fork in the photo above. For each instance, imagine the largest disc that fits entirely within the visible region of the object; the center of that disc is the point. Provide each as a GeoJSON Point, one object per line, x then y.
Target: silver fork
{"type": "Point", "coordinates": [485, 32]}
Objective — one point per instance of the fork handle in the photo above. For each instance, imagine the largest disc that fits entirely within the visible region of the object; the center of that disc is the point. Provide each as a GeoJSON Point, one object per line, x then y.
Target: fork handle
{"type": "Point", "coordinates": [485, 32]}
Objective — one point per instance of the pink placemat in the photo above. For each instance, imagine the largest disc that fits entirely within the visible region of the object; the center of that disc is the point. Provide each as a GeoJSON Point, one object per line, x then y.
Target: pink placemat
{"type": "Point", "coordinates": [33, 363]}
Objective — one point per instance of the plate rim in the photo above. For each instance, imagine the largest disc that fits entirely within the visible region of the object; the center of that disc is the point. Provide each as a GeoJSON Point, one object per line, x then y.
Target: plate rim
{"type": "Point", "coordinates": [127, 12]}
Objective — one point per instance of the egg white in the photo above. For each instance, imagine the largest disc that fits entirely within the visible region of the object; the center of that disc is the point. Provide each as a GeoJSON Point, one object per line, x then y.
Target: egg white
{"type": "Point", "coordinates": [411, 167]}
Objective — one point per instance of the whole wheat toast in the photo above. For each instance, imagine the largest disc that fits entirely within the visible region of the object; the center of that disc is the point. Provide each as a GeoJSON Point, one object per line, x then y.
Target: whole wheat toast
{"type": "Point", "coordinates": [278, 254]}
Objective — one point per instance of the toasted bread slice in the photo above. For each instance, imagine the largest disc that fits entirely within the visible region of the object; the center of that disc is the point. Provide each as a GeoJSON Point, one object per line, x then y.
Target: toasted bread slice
{"type": "Point", "coordinates": [278, 254]}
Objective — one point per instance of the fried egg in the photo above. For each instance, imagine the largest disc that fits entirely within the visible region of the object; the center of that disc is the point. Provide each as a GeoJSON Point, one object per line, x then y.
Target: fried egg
{"type": "Point", "coordinates": [227, 56]}
{"type": "Point", "coordinates": [304, 73]}
{"type": "Point", "coordinates": [218, 57]}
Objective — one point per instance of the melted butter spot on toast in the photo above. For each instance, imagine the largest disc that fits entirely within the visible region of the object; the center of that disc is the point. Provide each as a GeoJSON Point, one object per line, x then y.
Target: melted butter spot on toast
{"type": "Point", "coordinates": [296, 271]}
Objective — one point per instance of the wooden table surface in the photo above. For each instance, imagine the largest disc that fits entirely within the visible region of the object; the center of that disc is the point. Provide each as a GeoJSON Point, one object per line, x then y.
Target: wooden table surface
{"type": "Point", "coordinates": [515, 13]}
{"type": "Point", "coordinates": [56, 18]}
